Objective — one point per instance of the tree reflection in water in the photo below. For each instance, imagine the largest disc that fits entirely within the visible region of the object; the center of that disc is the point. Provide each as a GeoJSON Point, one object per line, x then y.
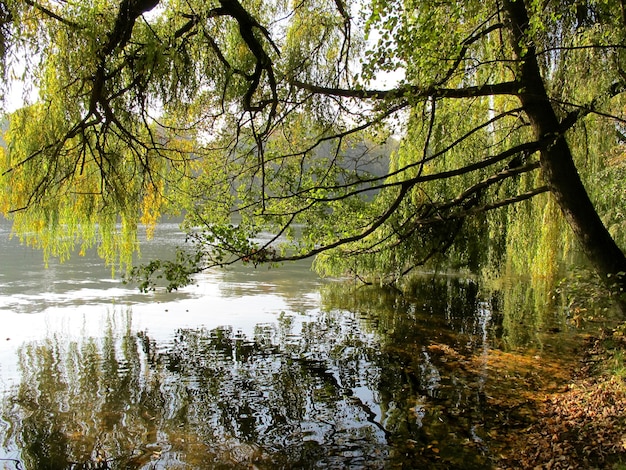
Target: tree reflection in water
{"type": "Point", "coordinates": [375, 380]}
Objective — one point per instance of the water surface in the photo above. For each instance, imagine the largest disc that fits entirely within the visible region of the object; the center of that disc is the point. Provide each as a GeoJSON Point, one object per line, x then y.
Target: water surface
{"type": "Point", "coordinates": [251, 369]}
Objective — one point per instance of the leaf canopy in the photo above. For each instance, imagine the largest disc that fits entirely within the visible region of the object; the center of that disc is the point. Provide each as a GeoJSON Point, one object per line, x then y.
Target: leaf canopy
{"type": "Point", "coordinates": [264, 115]}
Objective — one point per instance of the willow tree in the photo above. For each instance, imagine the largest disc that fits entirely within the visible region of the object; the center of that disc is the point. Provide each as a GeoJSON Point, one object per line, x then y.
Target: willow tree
{"type": "Point", "coordinates": [275, 112]}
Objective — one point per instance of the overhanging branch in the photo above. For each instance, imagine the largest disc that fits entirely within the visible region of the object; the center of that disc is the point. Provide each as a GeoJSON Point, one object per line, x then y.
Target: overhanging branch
{"type": "Point", "coordinates": [414, 92]}
{"type": "Point", "coordinates": [51, 14]}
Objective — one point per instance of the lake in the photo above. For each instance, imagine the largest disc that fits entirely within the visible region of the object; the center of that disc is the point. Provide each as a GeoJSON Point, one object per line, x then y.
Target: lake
{"type": "Point", "coordinates": [258, 368]}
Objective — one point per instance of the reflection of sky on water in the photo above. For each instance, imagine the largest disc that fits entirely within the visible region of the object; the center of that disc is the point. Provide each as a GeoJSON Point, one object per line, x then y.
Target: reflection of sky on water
{"type": "Point", "coordinates": [76, 298]}
{"type": "Point", "coordinates": [245, 364]}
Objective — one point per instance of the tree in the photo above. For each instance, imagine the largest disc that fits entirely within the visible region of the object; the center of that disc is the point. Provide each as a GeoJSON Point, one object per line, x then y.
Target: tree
{"type": "Point", "coordinates": [274, 111]}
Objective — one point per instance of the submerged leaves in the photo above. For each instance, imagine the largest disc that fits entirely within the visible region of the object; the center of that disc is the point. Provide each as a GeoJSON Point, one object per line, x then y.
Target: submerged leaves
{"type": "Point", "coordinates": [581, 427]}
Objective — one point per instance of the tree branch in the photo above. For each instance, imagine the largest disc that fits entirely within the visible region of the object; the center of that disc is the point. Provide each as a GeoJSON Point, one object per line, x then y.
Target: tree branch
{"type": "Point", "coordinates": [414, 92]}
{"type": "Point", "coordinates": [52, 14]}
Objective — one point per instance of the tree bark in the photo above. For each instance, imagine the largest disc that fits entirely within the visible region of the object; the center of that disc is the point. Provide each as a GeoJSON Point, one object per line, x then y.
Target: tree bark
{"type": "Point", "coordinates": [557, 162]}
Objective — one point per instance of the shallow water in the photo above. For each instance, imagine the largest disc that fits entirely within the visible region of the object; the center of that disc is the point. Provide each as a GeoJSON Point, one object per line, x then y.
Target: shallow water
{"type": "Point", "coordinates": [251, 369]}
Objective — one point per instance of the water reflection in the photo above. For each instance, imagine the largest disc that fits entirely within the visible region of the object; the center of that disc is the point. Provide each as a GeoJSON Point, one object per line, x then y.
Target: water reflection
{"type": "Point", "coordinates": [351, 389]}
{"type": "Point", "coordinates": [253, 369]}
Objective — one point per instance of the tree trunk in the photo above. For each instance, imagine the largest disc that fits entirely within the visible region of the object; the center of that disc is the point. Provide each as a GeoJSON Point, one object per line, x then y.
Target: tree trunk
{"type": "Point", "coordinates": [557, 163]}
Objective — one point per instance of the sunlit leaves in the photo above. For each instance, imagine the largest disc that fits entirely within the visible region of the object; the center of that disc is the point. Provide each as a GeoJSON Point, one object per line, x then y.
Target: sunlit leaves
{"type": "Point", "coordinates": [317, 43]}
{"type": "Point", "coordinates": [247, 118]}
{"type": "Point", "coordinates": [422, 38]}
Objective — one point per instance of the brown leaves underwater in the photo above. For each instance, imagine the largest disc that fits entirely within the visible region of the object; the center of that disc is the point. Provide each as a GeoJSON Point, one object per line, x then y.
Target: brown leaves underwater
{"type": "Point", "coordinates": [580, 426]}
